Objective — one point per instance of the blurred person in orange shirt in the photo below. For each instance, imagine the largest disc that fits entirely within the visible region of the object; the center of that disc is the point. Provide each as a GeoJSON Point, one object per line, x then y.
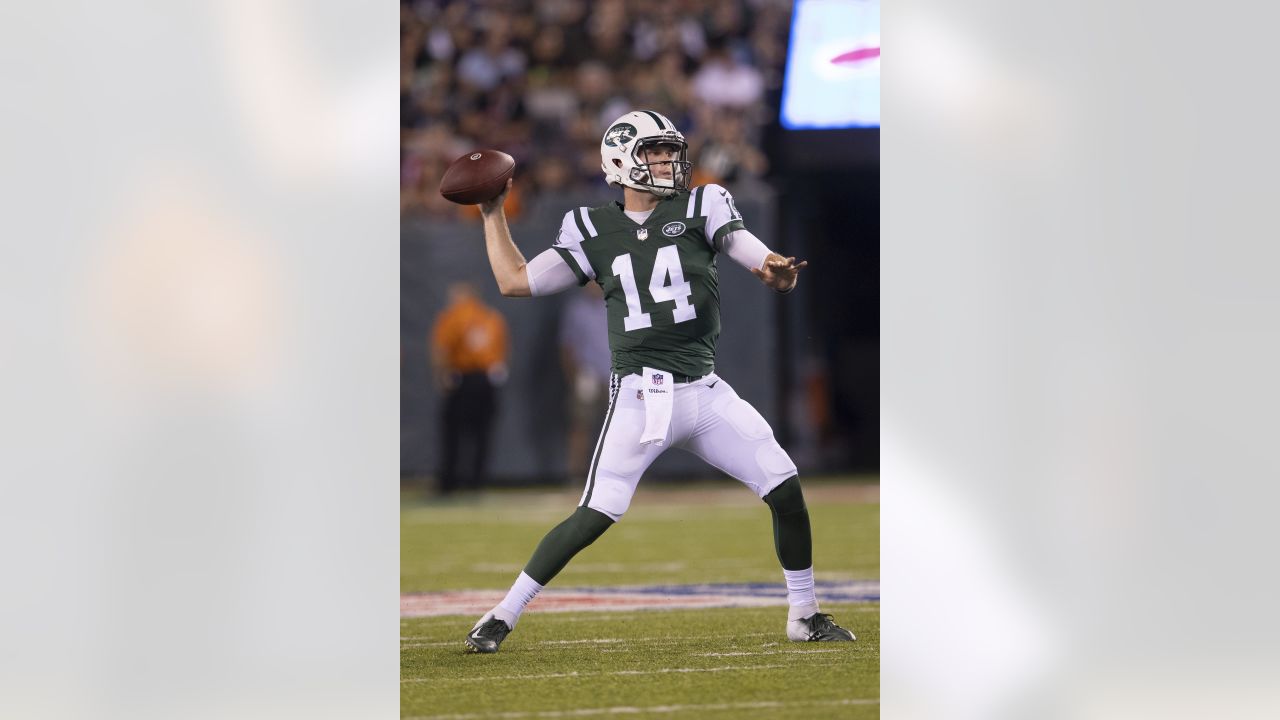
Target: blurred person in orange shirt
{"type": "Point", "coordinates": [469, 352]}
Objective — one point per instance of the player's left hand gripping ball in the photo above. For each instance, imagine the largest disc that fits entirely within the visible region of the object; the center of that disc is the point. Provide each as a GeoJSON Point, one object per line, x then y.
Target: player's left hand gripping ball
{"type": "Point", "coordinates": [477, 177]}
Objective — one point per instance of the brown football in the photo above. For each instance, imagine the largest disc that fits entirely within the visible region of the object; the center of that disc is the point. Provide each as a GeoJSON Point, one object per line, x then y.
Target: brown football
{"type": "Point", "coordinates": [477, 176]}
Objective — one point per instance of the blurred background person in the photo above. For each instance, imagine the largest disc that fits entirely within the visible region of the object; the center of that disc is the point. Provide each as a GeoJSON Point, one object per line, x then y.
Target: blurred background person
{"type": "Point", "coordinates": [726, 80]}
{"type": "Point", "coordinates": [469, 353]}
{"type": "Point", "coordinates": [728, 157]}
{"type": "Point", "coordinates": [585, 358]}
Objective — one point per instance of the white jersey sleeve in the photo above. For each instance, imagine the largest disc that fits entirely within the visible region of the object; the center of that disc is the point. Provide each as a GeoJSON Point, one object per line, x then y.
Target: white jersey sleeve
{"type": "Point", "coordinates": [569, 245]}
{"type": "Point", "coordinates": [746, 249]}
{"type": "Point", "coordinates": [549, 274]}
{"type": "Point", "coordinates": [716, 204]}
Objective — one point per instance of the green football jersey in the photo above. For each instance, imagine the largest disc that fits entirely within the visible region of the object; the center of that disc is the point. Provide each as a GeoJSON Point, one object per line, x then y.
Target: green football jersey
{"type": "Point", "coordinates": [659, 277]}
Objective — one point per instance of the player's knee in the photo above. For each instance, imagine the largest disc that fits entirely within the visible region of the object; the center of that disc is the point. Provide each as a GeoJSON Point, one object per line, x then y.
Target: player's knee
{"type": "Point", "coordinates": [611, 496]}
{"type": "Point", "coordinates": [774, 463]}
{"type": "Point", "coordinates": [786, 498]}
{"type": "Point", "coordinates": [588, 525]}
{"type": "Point", "coordinates": [613, 512]}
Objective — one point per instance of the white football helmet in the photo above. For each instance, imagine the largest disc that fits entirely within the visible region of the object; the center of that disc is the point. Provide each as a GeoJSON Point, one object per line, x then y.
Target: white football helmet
{"type": "Point", "coordinates": [623, 164]}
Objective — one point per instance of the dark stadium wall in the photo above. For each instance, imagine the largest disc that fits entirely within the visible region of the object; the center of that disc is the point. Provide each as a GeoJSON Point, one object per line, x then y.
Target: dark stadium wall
{"type": "Point", "coordinates": [821, 151]}
{"type": "Point", "coordinates": [831, 217]}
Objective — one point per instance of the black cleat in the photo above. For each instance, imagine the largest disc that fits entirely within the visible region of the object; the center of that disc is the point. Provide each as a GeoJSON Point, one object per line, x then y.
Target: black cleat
{"type": "Point", "coordinates": [487, 636]}
{"type": "Point", "coordinates": [818, 627]}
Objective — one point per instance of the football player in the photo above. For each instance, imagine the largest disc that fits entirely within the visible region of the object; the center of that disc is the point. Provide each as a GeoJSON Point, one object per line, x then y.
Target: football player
{"type": "Point", "coordinates": [654, 254]}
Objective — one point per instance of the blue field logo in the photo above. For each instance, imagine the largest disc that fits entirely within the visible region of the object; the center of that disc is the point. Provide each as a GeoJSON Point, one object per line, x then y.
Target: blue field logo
{"type": "Point", "coordinates": [642, 597]}
{"type": "Point", "coordinates": [673, 229]}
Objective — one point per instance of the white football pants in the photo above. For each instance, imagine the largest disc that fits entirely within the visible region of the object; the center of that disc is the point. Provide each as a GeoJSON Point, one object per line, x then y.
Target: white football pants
{"type": "Point", "coordinates": [707, 418]}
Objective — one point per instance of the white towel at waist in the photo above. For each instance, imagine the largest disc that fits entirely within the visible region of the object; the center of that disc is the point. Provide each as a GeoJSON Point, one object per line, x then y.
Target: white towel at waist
{"type": "Point", "coordinates": [659, 389]}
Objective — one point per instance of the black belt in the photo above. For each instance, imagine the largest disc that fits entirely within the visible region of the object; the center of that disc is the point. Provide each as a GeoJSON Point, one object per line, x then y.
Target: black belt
{"type": "Point", "coordinates": [674, 376]}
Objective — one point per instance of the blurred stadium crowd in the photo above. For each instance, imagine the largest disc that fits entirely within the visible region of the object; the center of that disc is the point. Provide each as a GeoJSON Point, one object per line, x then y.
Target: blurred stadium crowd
{"type": "Point", "coordinates": [541, 80]}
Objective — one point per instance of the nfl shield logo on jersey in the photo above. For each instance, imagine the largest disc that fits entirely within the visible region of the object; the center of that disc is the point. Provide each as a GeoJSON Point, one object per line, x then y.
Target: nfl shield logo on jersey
{"type": "Point", "coordinates": [642, 234]}
{"type": "Point", "coordinates": [657, 379]}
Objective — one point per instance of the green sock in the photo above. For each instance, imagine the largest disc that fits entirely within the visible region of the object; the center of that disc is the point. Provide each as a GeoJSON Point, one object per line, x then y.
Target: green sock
{"type": "Point", "coordinates": [792, 537]}
{"type": "Point", "coordinates": [564, 541]}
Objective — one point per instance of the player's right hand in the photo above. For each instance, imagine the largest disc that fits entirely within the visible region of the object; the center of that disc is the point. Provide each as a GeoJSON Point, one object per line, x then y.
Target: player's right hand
{"type": "Point", "coordinates": [780, 273]}
{"type": "Point", "coordinates": [495, 205]}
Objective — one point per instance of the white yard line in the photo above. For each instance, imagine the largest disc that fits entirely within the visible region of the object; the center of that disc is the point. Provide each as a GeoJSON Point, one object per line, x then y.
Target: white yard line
{"type": "Point", "coordinates": [767, 652]}
{"type": "Point", "coordinates": [551, 676]}
{"type": "Point", "coordinates": [633, 710]}
{"type": "Point", "coordinates": [587, 641]}
{"type": "Point", "coordinates": [601, 617]}
{"type": "Point", "coordinates": [594, 616]}
{"type": "Point", "coordinates": [540, 642]}
{"type": "Point", "coordinates": [596, 641]}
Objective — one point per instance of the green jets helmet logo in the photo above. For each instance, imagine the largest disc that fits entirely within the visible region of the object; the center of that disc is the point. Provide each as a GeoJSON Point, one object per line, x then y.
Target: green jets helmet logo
{"type": "Point", "coordinates": [620, 135]}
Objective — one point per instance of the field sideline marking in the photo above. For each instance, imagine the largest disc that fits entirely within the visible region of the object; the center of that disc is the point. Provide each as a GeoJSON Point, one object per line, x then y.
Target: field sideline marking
{"type": "Point", "coordinates": [576, 674]}
{"type": "Point", "coordinates": [632, 710]}
{"type": "Point", "coordinates": [637, 597]}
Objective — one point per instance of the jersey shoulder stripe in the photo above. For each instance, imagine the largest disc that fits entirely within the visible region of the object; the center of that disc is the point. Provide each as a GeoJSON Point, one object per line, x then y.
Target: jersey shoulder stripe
{"type": "Point", "coordinates": [693, 198]}
{"type": "Point", "coordinates": [571, 230]}
{"type": "Point", "coordinates": [569, 245]}
{"type": "Point", "coordinates": [584, 223]}
{"type": "Point", "coordinates": [697, 209]}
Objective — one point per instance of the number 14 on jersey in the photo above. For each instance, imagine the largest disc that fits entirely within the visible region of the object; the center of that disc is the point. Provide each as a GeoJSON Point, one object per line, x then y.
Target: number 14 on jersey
{"type": "Point", "coordinates": [665, 266]}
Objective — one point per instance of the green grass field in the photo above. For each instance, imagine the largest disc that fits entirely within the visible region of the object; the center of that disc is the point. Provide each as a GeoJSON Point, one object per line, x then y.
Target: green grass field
{"type": "Point", "coordinates": [722, 662]}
